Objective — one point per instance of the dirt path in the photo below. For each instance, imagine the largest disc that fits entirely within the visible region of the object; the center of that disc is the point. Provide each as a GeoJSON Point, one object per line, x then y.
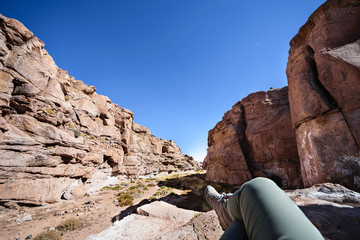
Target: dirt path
{"type": "Point", "coordinates": [95, 214]}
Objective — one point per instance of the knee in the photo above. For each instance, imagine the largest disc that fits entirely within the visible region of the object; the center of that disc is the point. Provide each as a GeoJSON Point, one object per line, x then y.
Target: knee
{"type": "Point", "coordinates": [260, 183]}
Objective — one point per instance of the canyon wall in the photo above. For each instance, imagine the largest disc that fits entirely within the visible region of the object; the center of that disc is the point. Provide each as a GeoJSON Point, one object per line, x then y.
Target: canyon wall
{"type": "Point", "coordinates": [324, 92]}
{"type": "Point", "coordinates": [58, 137]}
{"type": "Point", "coordinates": [313, 135]}
{"type": "Point", "coordinates": [255, 138]}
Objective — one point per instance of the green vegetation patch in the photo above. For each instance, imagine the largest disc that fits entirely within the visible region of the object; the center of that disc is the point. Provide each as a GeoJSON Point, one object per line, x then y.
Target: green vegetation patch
{"type": "Point", "coordinates": [196, 215]}
{"type": "Point", "coordinates": [50, 111]}
{"type": "Point", "coordinates": [125, 199]}
{"type": "Point", "coordinates": [117, 188]}
{"type": "Point", "coordinates": [50, 235]}
{"type": "Point", "coordinates": [162, 192]}
{"type": "Point", "coordinates": [69, 225]}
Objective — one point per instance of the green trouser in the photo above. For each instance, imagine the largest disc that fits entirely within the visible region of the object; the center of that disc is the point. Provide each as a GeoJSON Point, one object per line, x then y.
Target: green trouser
{"type": "Point", "coordinates": [261, 211]}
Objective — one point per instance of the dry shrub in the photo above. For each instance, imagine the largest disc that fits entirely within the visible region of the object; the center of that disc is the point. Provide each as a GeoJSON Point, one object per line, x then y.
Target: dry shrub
{"type": "Point", "coordinates": [50, 235]}
{"type": "Point", "coordinates": [125, 199]}
{"type": "Point", "coordinates": [69, 225]}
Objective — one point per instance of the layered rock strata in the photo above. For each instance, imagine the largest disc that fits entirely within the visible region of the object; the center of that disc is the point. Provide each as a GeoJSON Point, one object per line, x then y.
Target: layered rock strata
{"type": "Point", "coordinates": [317, 138]}
{"type": "Point", "coordinates": [255, 138]}
{"type": "Point", "coordinates": [324, 92]}
{"type": "Point", "coordinates": [58, 137]}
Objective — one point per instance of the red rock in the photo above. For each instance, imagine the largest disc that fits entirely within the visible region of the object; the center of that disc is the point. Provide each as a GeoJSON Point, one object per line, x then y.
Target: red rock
{"type": "Point", "coordinates": [254, 139]}
{"type": "Point", "coordinates": [324, 84]}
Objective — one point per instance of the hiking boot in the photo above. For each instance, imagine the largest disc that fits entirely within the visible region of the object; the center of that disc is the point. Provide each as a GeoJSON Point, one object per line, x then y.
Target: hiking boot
{"type": "Point", "coordinates": [218, 203]}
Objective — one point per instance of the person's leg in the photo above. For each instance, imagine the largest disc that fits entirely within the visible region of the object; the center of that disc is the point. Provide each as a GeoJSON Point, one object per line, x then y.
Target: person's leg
{"type": "Point", "coordinates": [236, 231]}
{"type": "Point", "coordinates": [268, 213]}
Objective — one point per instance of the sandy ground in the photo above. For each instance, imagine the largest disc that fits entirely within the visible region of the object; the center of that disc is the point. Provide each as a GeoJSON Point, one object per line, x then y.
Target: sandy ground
{"type": "Point", "coordinates": [95, 212]}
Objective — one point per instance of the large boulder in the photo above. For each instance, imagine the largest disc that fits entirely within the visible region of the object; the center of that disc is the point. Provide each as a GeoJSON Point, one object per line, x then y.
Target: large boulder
{"type": "Point", "coordinates": [309, 133]}
{"type": "Point", "coordinates": [255, 138]}
{"type": "Point", "coordinates": [324, 84]}
{"type": "Point", "coordinates": [161, 220]}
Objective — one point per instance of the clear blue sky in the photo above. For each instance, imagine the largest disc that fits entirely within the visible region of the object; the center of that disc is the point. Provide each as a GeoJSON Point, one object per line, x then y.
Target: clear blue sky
{"type": "Point", "coordinates": [178, 65]}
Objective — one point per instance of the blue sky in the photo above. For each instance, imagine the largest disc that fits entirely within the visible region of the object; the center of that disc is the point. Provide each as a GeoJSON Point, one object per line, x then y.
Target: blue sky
{"type": "Point", "coordinates": [178, 65]}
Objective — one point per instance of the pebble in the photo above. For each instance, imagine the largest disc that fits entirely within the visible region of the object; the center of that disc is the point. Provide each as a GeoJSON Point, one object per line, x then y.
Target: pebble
{"type": "Point", "coordinates": [29, 237]}
{"type": "Point", "coordinates": [61, 213]}
{"type": "Point", "coordinates": [23, 217]}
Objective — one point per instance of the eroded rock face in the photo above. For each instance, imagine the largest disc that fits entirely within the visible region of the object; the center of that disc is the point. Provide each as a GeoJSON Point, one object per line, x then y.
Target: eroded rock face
{"type": "Point", "coordinates": [320, 142]}
{"type": "Point", "coordinates": [255, 138]}
{"type": "Point", "coordinates": [324, 92]}
{"type": "Point", "coordinates": [58, 137]}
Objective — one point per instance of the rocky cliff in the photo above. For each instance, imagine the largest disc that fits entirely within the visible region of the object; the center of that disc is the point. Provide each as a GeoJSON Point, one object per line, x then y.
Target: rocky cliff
{"type": "Point", "coordinates": [58, 137]}
{"type": "Point", "coordinates": [255, 138]}
{"type": "Point", "coordinates": [309, 133]}
{"type": "Point", "coordinates": [324, 92]}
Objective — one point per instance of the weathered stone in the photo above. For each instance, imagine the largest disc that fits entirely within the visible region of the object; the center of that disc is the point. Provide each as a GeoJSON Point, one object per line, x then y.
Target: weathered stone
{"type": "Point", "coordinates": [323, 74]}
{"type": "Point", "coordinates": [23, 217]}
{"type": "Point", "coordinates": [56, 132]}
{"type": "Point", "coordinates": [35, 191]}
{"type": "Point", "coordinates": [332, 208]}
{"type": "Point", "coordinates": [255, 138]}
{"type": "Point", "coordinates": [330, 155]}
{"type": "Point", "coordinates": [160, 220]}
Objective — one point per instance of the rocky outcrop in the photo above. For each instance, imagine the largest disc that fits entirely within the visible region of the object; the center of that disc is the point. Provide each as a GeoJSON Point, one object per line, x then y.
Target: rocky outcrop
{"type": "Point", "coordinates": [58, 137]}
{"type": "Point", "coordinates": [317, 138]}
{"type": "Point", "coordinates": [255, 138]}
{"type": "Point", "coordinates": [324, 92]}
{"type": "Point", "coordinates": [332, 208]}
{"type": "Point", "coordinates": [161, 220]}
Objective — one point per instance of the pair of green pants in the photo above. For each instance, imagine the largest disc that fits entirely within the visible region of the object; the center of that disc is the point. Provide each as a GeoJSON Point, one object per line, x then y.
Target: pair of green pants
{"type": "Point", "coordinates": [261, 211]}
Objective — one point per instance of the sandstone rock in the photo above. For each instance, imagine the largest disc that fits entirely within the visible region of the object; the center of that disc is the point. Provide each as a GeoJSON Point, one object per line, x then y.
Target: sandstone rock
{"type": "Point", "coordinates": [58, 137]}
{"type": "Point", "coordinates": [160, 209]}
{"type": "Point", "coordinates": [132, 227]}
{"type": "Point", "coordinates": [255, 138]}
{"type": "Point", "coordinates": [323, 74]}
{"type": "Point", "coordinates": [204, 226]}
{"type": "Point", "coordinates": [160, 220]}
{"type": "Point", "coordinates": [37, 191]}
{"type": "Point", "coordinates": [332, 208]}
{"type": "Point", "coordinates": [23, 217]}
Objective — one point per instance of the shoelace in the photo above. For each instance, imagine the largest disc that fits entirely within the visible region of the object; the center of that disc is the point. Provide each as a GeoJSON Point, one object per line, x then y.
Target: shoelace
{"type": "Point", "coordinates": [225, 196]}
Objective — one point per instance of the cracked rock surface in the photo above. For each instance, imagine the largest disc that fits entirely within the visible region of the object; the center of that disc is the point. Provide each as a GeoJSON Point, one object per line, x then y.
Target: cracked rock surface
{"type": "Point", "coordinates": [59, 139]}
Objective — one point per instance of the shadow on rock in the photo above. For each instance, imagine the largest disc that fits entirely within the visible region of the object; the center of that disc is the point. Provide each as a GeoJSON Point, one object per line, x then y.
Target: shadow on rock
{"type": "Point", "coordinates": [129, 210]}
{"type": "Point", "coordinates": [195, 185]}
{"type": "Point", "coordinates": [194, 199]}
{"type": "Point", "coordinates": [335, 223]}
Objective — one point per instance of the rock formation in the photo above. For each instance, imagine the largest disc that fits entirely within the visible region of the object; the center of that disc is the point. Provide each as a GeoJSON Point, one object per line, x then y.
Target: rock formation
{"type": "Point", "coordinates": [58, 137]}
{"type": "Point", "coordinates": [161, 220]}
{"type": "Point", "coordinates": [320, 142]}
{"type": "Point", "coordinates": [324, 92]}
{"type": "Point", "coordinates": [332, 208]}
{"type": "Point", "coordinates": [255, 138]}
